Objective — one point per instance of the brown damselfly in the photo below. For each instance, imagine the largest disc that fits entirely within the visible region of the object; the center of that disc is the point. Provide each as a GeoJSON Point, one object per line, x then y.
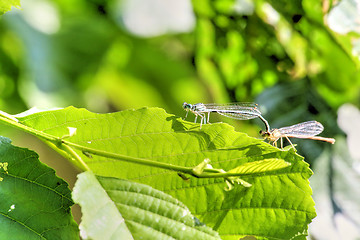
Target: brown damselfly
{"type": "Point", "coordinates": [307, 130]}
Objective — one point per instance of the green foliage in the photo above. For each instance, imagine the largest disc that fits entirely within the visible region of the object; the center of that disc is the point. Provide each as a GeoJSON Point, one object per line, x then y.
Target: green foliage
{"type": "Point", "coordinates": [111, 145]}
{"type": "Point", "coordinates": [35, 204]}
{"type": "Point", "coordinates": [5, 5]}
{"type": "Point", "coordinates": [240, 49]}
{"type": "Point", "coordinates": [148, 213]}
{"type": "Point", "coordinates": [243, 52]}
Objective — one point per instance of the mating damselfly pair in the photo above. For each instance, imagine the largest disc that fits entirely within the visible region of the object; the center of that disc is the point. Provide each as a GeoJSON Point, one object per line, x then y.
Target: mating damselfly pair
{"type": "Point", "coordinates": [246, 111]}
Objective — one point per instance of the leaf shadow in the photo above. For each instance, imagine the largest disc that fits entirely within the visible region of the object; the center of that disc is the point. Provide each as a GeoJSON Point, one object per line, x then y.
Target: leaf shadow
{"type": "Point", "coordinates": [178, 125]}
{"type": "Point", "coordinates": [251, 150]}
{"type": "Point", "coordinates": [192, 129]}
{"type": "Point", "coordinates": [204, 139]}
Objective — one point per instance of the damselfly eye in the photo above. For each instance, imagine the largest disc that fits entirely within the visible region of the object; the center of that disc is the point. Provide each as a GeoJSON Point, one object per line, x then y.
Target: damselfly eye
{"type": "Point", "coordinates": [263, 133]}
{"type": "Point", "coordinates": [186, 105]}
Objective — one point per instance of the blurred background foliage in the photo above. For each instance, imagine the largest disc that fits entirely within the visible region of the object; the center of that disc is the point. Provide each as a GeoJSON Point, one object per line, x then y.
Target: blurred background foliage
{"type": "Point", "coordinates": [298, 59]}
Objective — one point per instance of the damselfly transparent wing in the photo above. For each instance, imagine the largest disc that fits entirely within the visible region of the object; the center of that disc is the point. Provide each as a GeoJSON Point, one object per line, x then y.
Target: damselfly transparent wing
{"type": "Point", "coordinates": [244, 115]}
{"type": "Point", "coordinates": [302, 130]}
{"type": "Point", "coordinates": [240, 110]}
{"type": "Point", "coordinates": [232, 106]}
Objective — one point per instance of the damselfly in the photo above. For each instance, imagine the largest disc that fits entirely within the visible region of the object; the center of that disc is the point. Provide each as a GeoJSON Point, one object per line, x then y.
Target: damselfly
{"type": "Point", "coordinates": [241, 111]}
{"type": "Point", "coordinates": [307, 130]}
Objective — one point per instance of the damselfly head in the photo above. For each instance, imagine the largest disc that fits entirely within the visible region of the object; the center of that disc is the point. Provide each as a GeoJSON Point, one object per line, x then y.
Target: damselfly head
{"type": "Point", "coordinates": [264, 133]}
{"type": "Point", "coordinates": [187, 106]}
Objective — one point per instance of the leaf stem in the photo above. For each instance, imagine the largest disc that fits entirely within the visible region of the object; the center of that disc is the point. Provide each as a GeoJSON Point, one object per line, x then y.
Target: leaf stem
{"type": "Point", "coordinates": [207, 172]}
{"type": "Point", "coordinates": [142, 161]}
{"type": "Point", "coordinates": [67, 146]}
{"type": "Point", "coordinates": [75, 156]}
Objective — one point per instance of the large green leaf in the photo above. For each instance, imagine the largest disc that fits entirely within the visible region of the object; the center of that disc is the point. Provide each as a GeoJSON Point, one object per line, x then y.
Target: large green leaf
{"type": "Point", "coordinates": [147, 213]}
{"type": "Point", "coordinates": [278, 205]}
{"type": "Point", "coordinates": [34, 203]}
{"type": "Point", "coordinates": [5, 5]}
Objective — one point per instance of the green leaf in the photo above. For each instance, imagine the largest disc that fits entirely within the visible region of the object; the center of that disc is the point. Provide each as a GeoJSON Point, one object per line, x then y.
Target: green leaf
{"type": "Point", "coordinates": [35, 204]}
{"type": "Point", "coordinates": [278, 205]}
{"type": "Point", "coordinates": [5, 5]}
{"type": "Point", "coordinates": [129, 210]}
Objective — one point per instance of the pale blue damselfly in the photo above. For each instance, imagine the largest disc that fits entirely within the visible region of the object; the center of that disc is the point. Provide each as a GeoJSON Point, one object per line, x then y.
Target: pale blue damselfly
{"type": "Point", "coordinates": [237, 110]}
